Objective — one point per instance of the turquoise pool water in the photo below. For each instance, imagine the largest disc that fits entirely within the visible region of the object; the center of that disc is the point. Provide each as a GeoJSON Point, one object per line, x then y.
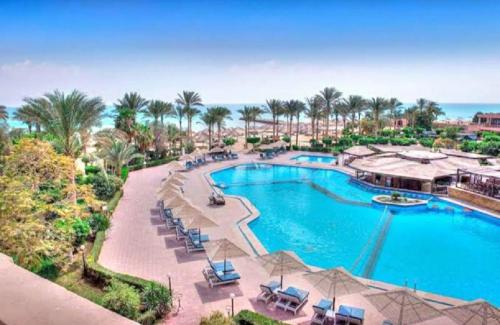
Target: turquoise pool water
{"type": "Point", "coordinates": [315, 159]}
{"type": "Point", "coordinates": [329, 221]}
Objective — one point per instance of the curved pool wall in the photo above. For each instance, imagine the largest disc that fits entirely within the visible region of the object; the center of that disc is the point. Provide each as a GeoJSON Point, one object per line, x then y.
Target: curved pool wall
{"type": "Point", "coordinates": [329, 221]}
{"type": "Point", "coordinates": [309, 158]}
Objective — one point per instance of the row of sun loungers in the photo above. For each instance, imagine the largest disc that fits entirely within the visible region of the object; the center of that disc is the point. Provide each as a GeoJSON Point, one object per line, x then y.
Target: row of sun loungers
{"type": "Point", "coordinates": [220, 273]}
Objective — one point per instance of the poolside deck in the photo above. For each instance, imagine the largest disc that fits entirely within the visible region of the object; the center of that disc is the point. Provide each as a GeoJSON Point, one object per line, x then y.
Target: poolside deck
{"type": "Point", "coordinates": [138, 243]}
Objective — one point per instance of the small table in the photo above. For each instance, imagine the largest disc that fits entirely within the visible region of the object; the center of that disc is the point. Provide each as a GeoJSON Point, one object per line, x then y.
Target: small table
{"type": "Point", "coordinates": [330, 315]}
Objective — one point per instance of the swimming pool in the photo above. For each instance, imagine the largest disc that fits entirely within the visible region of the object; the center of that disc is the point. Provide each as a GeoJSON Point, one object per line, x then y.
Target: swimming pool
{"type": "Point", "coordinates": [315, 159]}
{"type": "Point", "coordinates": [330, 221]}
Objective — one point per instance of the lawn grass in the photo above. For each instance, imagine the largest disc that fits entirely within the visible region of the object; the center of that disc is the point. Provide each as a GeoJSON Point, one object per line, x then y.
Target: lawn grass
{"type": "Point", "coordinates": [74, 282]}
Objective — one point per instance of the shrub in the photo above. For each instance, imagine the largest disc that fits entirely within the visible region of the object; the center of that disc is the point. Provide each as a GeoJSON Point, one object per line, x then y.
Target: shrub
{"type": "Point", "coordinates": [366, 140]}
{"type": "Point", "coordinates": [246, 317]}
{"type": "Point", "coordinates": [381, 140]}
{"type": "Point", "coordinates": [156, 297]}
{"type": "Point", "coordinates": [286, 138]}
{"type": "Point", "coordinates": [345, 142]}
{"type": "Point", "coordinates": [426, 142]}
{"type": "Point", "coordinates": [98, 222]}
{"type": "Point", "coordinates": [229, 141]}
{"type": "Point", "coordinates": [147, 318]}
{"type": "Point", "coordinates": [395, 196]}
{"type": "Point", "coordinates": [124, 173]}
{"type": "Point", "coordinates": [469, 146]}
{"type": "Point", "coordinates": [86, 159]}
{"type": "Point", "coordinates": [216, 318]}
{"type": "Point", "coordinates": [444, 143]}
{"type": "Point", "coordinates": [189, 147]}
{"type": "Point", "coordinates": [295, 147]}
{"type": "Point", "coordinates": [253, 140]}
{"type": "Point", "coordinates": [327, 141]}
{"type": "Point", "coordinates": [105, 186]}
{"type": "Point", "coordinates": [491, 148]}
{"type": "Point", "coordinates": [408, 131]}
{"type": "Point", "coordinates": [403, 141]}
{"type": "Point", "coordinates": [46, 269]}
{"type": "Point", "coordinates": [490, 136]}
{"type": "Point", "coordinates": [122, 298]}
{"type": "Point", "coordinates": [81, 229]}
{"type": "Point", "coordinates": [92, 169]}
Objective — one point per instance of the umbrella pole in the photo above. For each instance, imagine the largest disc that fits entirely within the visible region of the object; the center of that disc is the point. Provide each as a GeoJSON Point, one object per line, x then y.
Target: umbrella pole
{"type": "Point", "coordinates": [281, 281]}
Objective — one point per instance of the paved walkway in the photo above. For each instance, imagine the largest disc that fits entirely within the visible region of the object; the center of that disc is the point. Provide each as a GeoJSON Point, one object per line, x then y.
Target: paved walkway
{"type": "Point", "coordinates": [138, 243]}
{"type": "Point", "coordinates": [26, 298]}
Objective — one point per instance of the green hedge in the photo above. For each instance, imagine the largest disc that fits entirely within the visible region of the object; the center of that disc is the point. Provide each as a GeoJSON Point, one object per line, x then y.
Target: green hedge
{"type": "Point", "coordinates": [247, 317]}
{"type": "Point", "coordinates": [153, 163]}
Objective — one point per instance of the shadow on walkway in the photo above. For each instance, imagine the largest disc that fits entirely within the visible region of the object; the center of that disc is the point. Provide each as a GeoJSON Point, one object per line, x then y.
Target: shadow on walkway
{"type": "Point", "coordinates": [208, 294]}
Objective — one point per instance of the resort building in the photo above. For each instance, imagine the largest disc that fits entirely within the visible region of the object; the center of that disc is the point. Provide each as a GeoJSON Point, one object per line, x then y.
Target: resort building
{"type": "Point", "coordinates": [486, 122]}
{"type": "Point", "coordinates": [411, 168]}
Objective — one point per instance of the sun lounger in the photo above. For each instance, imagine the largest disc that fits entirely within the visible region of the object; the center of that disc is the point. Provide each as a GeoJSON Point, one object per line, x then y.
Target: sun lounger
{"type": "Point", "coordinates": [195, 236]}
{"type": "Point", "coordinates": [189, 165]}
{"type": "Point", "coordinates": [268, 292]}
{"type": "Point", "coordinates": [172, 222]}
{"type": "Point", "coordinates": [234, 156]}
{"type": "Point", "coordinates": [194, 245]}
{"type": "Point", "coordinates": [320, 310]}
{"type": "Point", "coordinates": [219, 278]}
{"type": "Point", "coordinates": [216, 199]}
{"type": "Point", "coordinates": [292, 299]}
{"type": "Point", "coordinates": [219, 266]}
{"type": "Point", "coordinates": [351, 315]}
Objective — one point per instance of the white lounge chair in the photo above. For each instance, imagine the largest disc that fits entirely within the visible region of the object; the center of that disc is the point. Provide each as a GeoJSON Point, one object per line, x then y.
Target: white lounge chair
{"type": "Point", "coordinates": [219, 278]}
{"type": "Point", "coordinates": [268, 292]}
{"type": "Point", "coordinates": [292, 299]}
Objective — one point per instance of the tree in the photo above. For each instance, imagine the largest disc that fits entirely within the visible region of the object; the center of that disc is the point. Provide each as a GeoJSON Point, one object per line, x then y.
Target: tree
{"type": "Point", "coordinates": [189, 100]}
{"type": "Point", "coordinates": [355, 105]}
{"type": "Point", "coordinates": [210, 119]}
{"type": "Point", "coordinates": [256, 112]}
{"type": "Point", "coordinates": [179, 113]}
{"type": "Point", "coordinates": [143, 136]}
{"type": "Point", "coordinates": [330, 97]}
{"type": "Point", "coordinates": [69, 118]}
{"type": "Point", "coordinates": [118, 153]}
{"type": "Point", "coordinates": [289, 112]}
{"type": "Point", "coordinates": [475, 118]}
{"type": "Point", "coordinates": [246, 116]}
{"type": "Point", "coordinates": [315, 113]}
{"type": "Point", "coordinates": [221, 114]}
{"type": "Point", "coordinates": [3, 113]}
{"type": "Point", "coordinates": [377, 106]}
{"type": "Point", "coordinates": [275, 108]}
{"type": "Point", "coordinates": [127, 108]}
{"type": "Point", "coordinates": [28, 116]}
{"type": "Point", "coordinates": [343, 111]}
{"type": "Point", "coordinates": [157, 110]}
{"type": "Point", "coordinates": [393, 105]}
{"type": "Point", "coordinates": [300, 108]}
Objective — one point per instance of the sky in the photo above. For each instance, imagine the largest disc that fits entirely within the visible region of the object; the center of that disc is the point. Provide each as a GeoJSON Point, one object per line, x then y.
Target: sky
{"type": "Point", "coordinates": [249, 51]}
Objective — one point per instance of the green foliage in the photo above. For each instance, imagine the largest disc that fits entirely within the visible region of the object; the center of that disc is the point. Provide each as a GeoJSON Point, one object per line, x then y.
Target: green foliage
{"type": "Point", "coordinates": [395, 196]}
{"type": "Point", "coordinates": [450, 132]}
{"type": "Point", "coordinates": [92, 169]}
{"type": "Point", "coordinates": [124, 173]}
{"type": "Point", "coordinates": [105, 185]}
{"type": "Point", "coordinates": [426, 142]}
{"type": "Point", "coordinates": [98, 222]}
{"type": "Point", "coordinates": [490, 136]}
{"type": "Point", "coordinates": [247, 317]}
{"type": "Point", "coordinates": [408, 132]}
{"type": "Point", "coordinates": [491, 148]}
{"type": "Point", "coordinates": [327, 141]}
{"type": "Point", "coordinates": [216, 318]}
{"type": "Point", "coordinates": [153, 163]}
{"type": "Point", "coordinates": [229, 141]}
{"type": "Point", "coordinates": [85, 159]}
{"type": "Point", "coordinates": [46, 269]}
{"type": "Point", "coordinates": [345, 141]}
{"type": "Point", "coordinates": [149, 317]}
{"type": "Point", "coordinates": [469, 146]}
{"type": "Point", "coordinates": [156, 297]}
{"type": "Point", "coordinates": [81, 228]}
{"type": "Point", "coordinates": [189, 147]}
{"type": "Point", "coordinates": [286, 138]}
{"type": "Point", "coordinates": [122, 298]}
{"type": "Point", "coordinates": [403, 141]}
{"type": "Point", "coordinates": [253, 140]}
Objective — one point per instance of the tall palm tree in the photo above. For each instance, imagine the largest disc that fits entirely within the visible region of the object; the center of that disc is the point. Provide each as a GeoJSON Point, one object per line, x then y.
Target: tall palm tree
{"type": "Point", "coordinates": [343, 111]}
{"type": "Point", "coordinates": [315, 113]}
{"type": "Point", "coordinates": [330, 96]}
{"type": "Point", "coordinates": [433, 110]}
{"type": "Point", "coordinates": [68, 117]}
{"type": "Point", "coordinates": [127, 108]}
{"type": "Point", "coordinates": [144, 137]}
{"type": "Point", "coordinates": [411, 115]}
{"type": "Point", "coordinates": [275, 108]}
{"type": "Point", "coordinates": [393, 105]}
{"type": "Point", "coordinates": [118, 153]}
{"type": "Point", "coordinates": [300, 108]}
{"type": "Point", "coordinates": [210, 119]}
{"type": "Point", "coordinates": [3, 113]}
{"type": "Point", "coordinates": [421, 103]}
{"type": "Point", "coordinates": [256, 112]}
{"type": "Point", "coordinates": [189, 100]}
{"type": "Point", "coordinates": [377, 106]}
{"type": "Point", "coordinates": [27, 115]}
{"type": "Point", "coordinates": [355, 105]}
{"type": "Point", "coordinates": [221, 113]}
{"type": "Point", "coordinates": [157, 109]}
{"type": "Point", "coordinates": [246, 116]}
{"type": "Point", "coordinates": [289, 112]}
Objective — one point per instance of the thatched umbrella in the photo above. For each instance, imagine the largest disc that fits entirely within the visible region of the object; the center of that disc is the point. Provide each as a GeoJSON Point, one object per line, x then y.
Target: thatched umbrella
{"type": "Point", "coordinates": [281, 263]}
{"type": "Point", "coordinates": [175, 201]}
{"type": "Point", "coordinates": [216, 150]}
{"type": "Point", "coordinates": [478, 312]}
{"type": "Point", "coordinates": [177, 165]}
{"type": "Point", "coordinates": [403, 307]}
{"type": "Point", "coordinates": [174, 181]}
{"type": "Point", "coordinates": [335, 282]}
{"type": "Point", "coordinates": [223, 249]}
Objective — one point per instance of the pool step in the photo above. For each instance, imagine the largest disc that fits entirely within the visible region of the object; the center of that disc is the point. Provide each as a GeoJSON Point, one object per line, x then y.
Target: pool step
{"type": "Point", "coordinates": [377, 248]}
{"type": "Point", "coordinates": [335, 196]}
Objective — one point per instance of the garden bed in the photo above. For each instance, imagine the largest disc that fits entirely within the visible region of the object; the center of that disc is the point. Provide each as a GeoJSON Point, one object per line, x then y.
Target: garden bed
{"type": "Point", "coordinates": [398, 200]}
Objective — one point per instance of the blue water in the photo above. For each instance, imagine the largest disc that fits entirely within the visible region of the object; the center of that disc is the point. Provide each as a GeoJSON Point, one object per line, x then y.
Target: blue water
{"type": "Point", "coordinates": [452, 111]}
{"type": "Point", "coordinates": [315, 159]}
{"type": "Point", "coordinates": [441, 247]}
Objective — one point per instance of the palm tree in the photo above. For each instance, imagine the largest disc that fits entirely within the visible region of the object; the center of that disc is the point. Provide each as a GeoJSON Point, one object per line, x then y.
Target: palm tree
{"type": "Point", "coordinates": [300, 108]}
{"type": "Point", "coordinates": [411, 115]}
{"type": "Point", "coordinates": [289, 112]}
{"type": "Point", "coordinates": [256, 112]}
{"type": "Point", "coordinates": [68, 117]}
{"type": "Point", "coordinates": [3, 113]}
{"type": "Point", "coordinates": [157, 110]}
{"type": "Point", "coordinates": [275, 108]}
{"type": "Point", "coordinates": [143, 137]}
{"type": "Point", "coordinates": [378, 106]}
{"type": "Point", "coordinates": [355, 105]}
{"type": "Point", "coordinates": [421, 103]}
{"type": "Point", "coordinates": [315, 113]}
{"type": "Point", "coordinates": [343, 111]}
{"type": "Point", "coordinates": [118, 153]}
{"type": "Point", "coordinates": [27, 115]}
{"type": "Point", "coordinates": [127, 108]}
{"type": "Point", "coordinates": [393, 105]}
{"type": "Point", "coordinates": [210, 118]}
{"type": "Point", "coordinates": [221, 114]}
{"type": "Point", "coordinates": [247, 117]}
{"type": "Point", "coordinates": [189, 100]}
{"type": "Point", "coordinates": [330, 96]}
{"type": "Point", "coordinates": [433, 110]}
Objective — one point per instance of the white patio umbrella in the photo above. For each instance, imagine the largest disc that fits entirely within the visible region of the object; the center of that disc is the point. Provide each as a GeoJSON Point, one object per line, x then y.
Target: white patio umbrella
{"type": "Point", "coordinates": [222, 249]}
{"type": "Point", "coordinates": [177, 165]}
{"type": "Point", "coordinates": [403, 307]}
{"type": "Point", "coordinates": [335, 282]}
{"type": "Point", "coordinates": [478, 312]}
{"type": "Point", "coordinates": [281, 263]}
{"type": "Point", "coordinates": [216, 150]}
{"type": "Point", "coordinates": [175, 201]}
{"type": "Point", "coordinates": [168, 192]}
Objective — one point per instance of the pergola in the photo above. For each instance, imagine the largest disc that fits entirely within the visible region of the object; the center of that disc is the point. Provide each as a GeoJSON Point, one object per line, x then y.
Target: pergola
{"type": "Point", "coordinates": [485, 181]}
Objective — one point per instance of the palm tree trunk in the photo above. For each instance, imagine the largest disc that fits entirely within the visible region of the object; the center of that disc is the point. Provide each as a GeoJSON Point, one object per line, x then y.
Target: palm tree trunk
{"type": "Point", "coordinates": [297, 133]}
{"type": "Point", "coordinates": [359, 123]}
{"type": "Point", "coordinates": [218, 132]}
{"type": "Point", "coordinates": [327, 124]}
{"type": "Point", "coordinates": [336, 127]}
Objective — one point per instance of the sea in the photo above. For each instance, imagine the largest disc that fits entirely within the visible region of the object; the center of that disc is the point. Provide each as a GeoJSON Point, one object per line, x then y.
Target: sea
{"type": "Point", "coordinates": [453, 111]}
